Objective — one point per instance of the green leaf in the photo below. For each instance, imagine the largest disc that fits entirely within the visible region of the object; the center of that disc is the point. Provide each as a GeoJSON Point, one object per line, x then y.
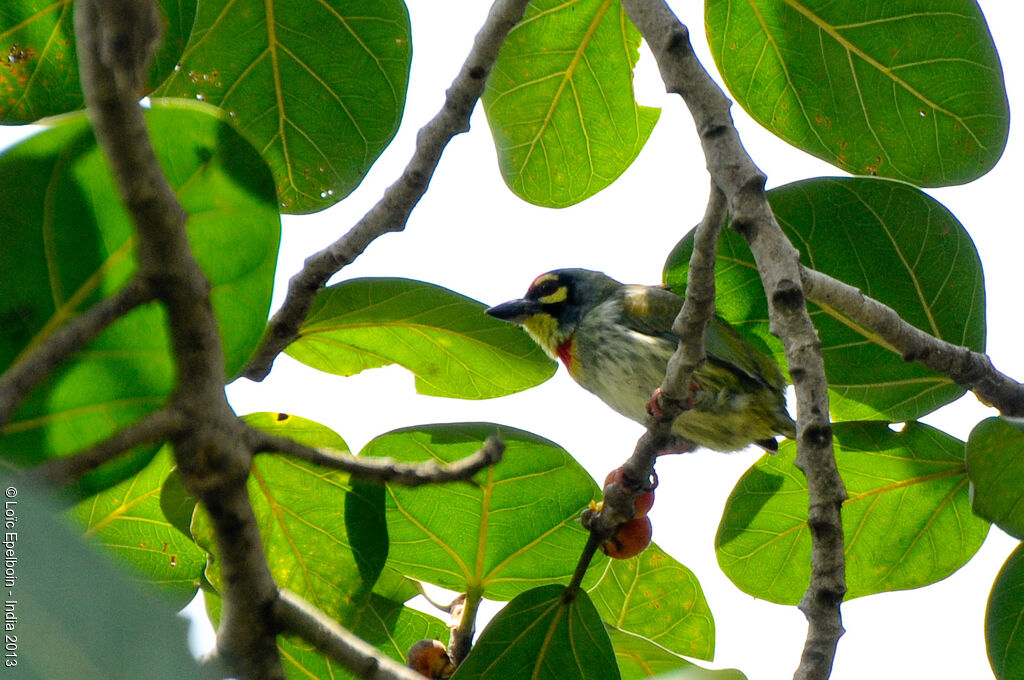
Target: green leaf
{"type": "Point", "coordinates": [67, 243]}
{"type": "Point", "coordinates": [907, 521]}
{"type": "Point", "coordinates": [640, 659]}
{"type": "Point", "coordinates": [39, 68]}
{"type": "Point", "coordinates": [324, 536]}
{"type": "Point", "coordinates": [126, 521]}
{"type": "Point", "coordinates": [995, 463]}
{"type": "Point", "coordinates": [656, 598]}
{"type": "Point", "coordinates": [318, 87]}
{"type": "Point", "coordinates": [77, 616]}
{"type": "Point", "coordinates": [514, 526]}
{"type": "Point", "coordinates": [897, 245]}
{"type": "Point", "coordinates": [1004, 636]}
{"type": "Point", "coordinates": [454, 349]}
{"type": "Point", "coordinates": [560, 101]}
{"type": "Point", "coordinates": [538, 636]}
{"type": "Point", "coordinates": [911, 90]}
{"type": "Point", "coordinates": [385, 624]}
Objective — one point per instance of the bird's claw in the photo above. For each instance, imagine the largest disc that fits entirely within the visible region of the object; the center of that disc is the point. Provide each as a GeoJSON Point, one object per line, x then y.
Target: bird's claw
{"type": "Point", "coordinates": [654, 404]}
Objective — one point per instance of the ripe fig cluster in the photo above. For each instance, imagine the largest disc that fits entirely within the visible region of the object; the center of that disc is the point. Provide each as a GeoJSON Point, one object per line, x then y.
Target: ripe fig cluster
{"type": "Point", "coordinates": [635, 535]}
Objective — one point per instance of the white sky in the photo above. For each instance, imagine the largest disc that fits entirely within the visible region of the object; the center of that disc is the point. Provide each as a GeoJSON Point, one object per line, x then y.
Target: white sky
{"type": "Point", "coordinates": [471, 235]}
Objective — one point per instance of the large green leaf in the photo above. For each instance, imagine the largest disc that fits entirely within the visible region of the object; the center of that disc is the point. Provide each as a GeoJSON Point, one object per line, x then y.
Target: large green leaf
{"type": "Point", "coordinates": [640, 659]}
{"type": "Point", "coordinates": [995, 462]}
{"type": "Point", "coordinates": [897, 245]}
{"type": "Point", "coordinates": [538, 636]}
{"type": "Point", "coordinates": [324, 536]}
{"type": "Point", "coordinates": [75, 615]}
{"type": "Point", "coordinates": [910, 90]}
{"type": "Point", "coordinates": [560, 101]}
{"type": "Point", "coordinates": [67, 243]}
{"type": "Point", "coordinates": [655, 597]}
{"type": "Point", "coordinates": [454, 349]}
{"type": "Point", "coordinates": [39, 68]}
{"type": "Point", "coordinates": [512, 527]}
{"type": "Point", "coordinates": [318, 87]}
{"type": "Point", "coordinates": [907, 521]}
{"type": "Point", "coordinates": [126, 520]}
{"type": "Point", "coordinates": [1004, 636]}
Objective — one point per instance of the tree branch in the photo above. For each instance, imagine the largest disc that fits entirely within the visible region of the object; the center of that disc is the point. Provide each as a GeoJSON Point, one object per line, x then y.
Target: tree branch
{"type": "Point", "coordinates": [777, 260]}
{"type": "Point", "coordinates": [972, 370]}
{"type": "Point", "coordinates": [38, 362]}
{"type": "Point", "coordinates": [383, 469]}
{"type": "Point", "coordinates": [115, 39]}
{"type": "Point", "coordinates": [297, 616]}
{"type": "Point", "coordinates": [391, 213]}
{"type": "Point", "coordinates": [157, 426]}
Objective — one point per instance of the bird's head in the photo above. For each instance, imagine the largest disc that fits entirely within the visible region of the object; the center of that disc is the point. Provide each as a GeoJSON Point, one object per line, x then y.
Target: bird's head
{"type": "Point", "coordinates": [554, 304]}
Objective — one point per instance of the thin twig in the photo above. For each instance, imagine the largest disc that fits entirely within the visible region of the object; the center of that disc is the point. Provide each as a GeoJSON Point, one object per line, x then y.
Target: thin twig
{"type": "Point", "coordinates": [157, 426]}
{"type": "Point", "coordinates": [391, 213]}
{"type": "Point", "coordinates": [38, 363]}
{"type": "Point", "coordinates": [294, 615]}
{"type": "Point", "coordinates": [383, 469]}
{"type": "Point", "coordinates": [742, 183]}
{"type": "Point", "coordinates": [969, 369]}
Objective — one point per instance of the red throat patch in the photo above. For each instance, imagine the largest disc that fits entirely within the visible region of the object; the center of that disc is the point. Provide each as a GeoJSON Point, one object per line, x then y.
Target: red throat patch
{"type": "Point", "coordinates": [565, 352]}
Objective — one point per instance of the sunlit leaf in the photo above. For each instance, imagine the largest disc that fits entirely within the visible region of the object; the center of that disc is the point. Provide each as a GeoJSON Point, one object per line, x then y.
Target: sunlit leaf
{"type": "Point", "coordinates": [538, 636]}
{"type": "Point", "coordinates": [127, 522]}
{"type": "Point", "coordinates": [656, 598]}
{"type": "Point", "coordinates": [38, 66]}
{"type": "Point", "coordinates": [318, 87]}
{"type": "Point", "coordinates": [446, 339]}
{"type": "Point", "coordinates": [324, 536]}
{"type": "Point", "coordinates": [907, 522]}
{"type": "Point", "coordinates": [897, 245]}
{"type": "Point", "coordinates": [560, 101]}
{"type": "Point", "coordinates": [67, 243]}
{"type": "Point", "coordinates": [995, 462]}
{"type": "Point", "coordinates": [1004, 636]}
{"type": "Point", "coordinates": [514, 527]}
{"type": "Point", "coordinates": [910, 90]}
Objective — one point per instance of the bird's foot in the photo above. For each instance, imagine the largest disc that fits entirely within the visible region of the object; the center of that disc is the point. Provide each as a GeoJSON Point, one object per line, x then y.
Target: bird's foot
{"type": "Point", "coordinates": [654, 404]}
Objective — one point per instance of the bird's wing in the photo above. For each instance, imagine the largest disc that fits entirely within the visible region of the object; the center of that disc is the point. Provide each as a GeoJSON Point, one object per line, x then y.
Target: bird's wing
{"type": "Point", "coordinates": [652, 310]}
{"type": "Point", "coordinates": [725, 343]}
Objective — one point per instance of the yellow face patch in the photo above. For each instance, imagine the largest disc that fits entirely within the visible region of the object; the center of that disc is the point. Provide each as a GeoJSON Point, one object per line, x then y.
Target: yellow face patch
{"type": "Point", "coordinates": [544, 330]}
{"type": "Point", "coordinates": [558, 296]}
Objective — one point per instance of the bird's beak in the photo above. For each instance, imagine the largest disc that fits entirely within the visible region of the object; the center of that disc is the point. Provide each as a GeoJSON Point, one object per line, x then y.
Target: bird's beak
{"type": "Point", "coordinates": [516, 311]}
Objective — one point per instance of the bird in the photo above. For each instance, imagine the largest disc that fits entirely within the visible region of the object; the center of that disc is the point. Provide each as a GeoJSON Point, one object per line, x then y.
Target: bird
{"type": "Point", "coordinates": [616, 340]}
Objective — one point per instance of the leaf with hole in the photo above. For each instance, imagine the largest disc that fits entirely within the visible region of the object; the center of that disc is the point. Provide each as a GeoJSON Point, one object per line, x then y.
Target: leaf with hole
{"type": "Point", "coordinates": [68, 243]}
{"type": "Point", "coordinates": [560, 102]}
{"type": "Point", "coordinates": [128, 524]}
{"type": "Point", "coordinates": [897, 245]}
{"type": "Point", "coordinates": [910, 90]}
{"type": "Point", "coordinates": [446, 339]}
{"type": "Point", "coordinates": [318, 87]}
{"type": "Point", "coordinates": [39, 67]}
{"type": "Point", "coordinates": [907, 521]}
